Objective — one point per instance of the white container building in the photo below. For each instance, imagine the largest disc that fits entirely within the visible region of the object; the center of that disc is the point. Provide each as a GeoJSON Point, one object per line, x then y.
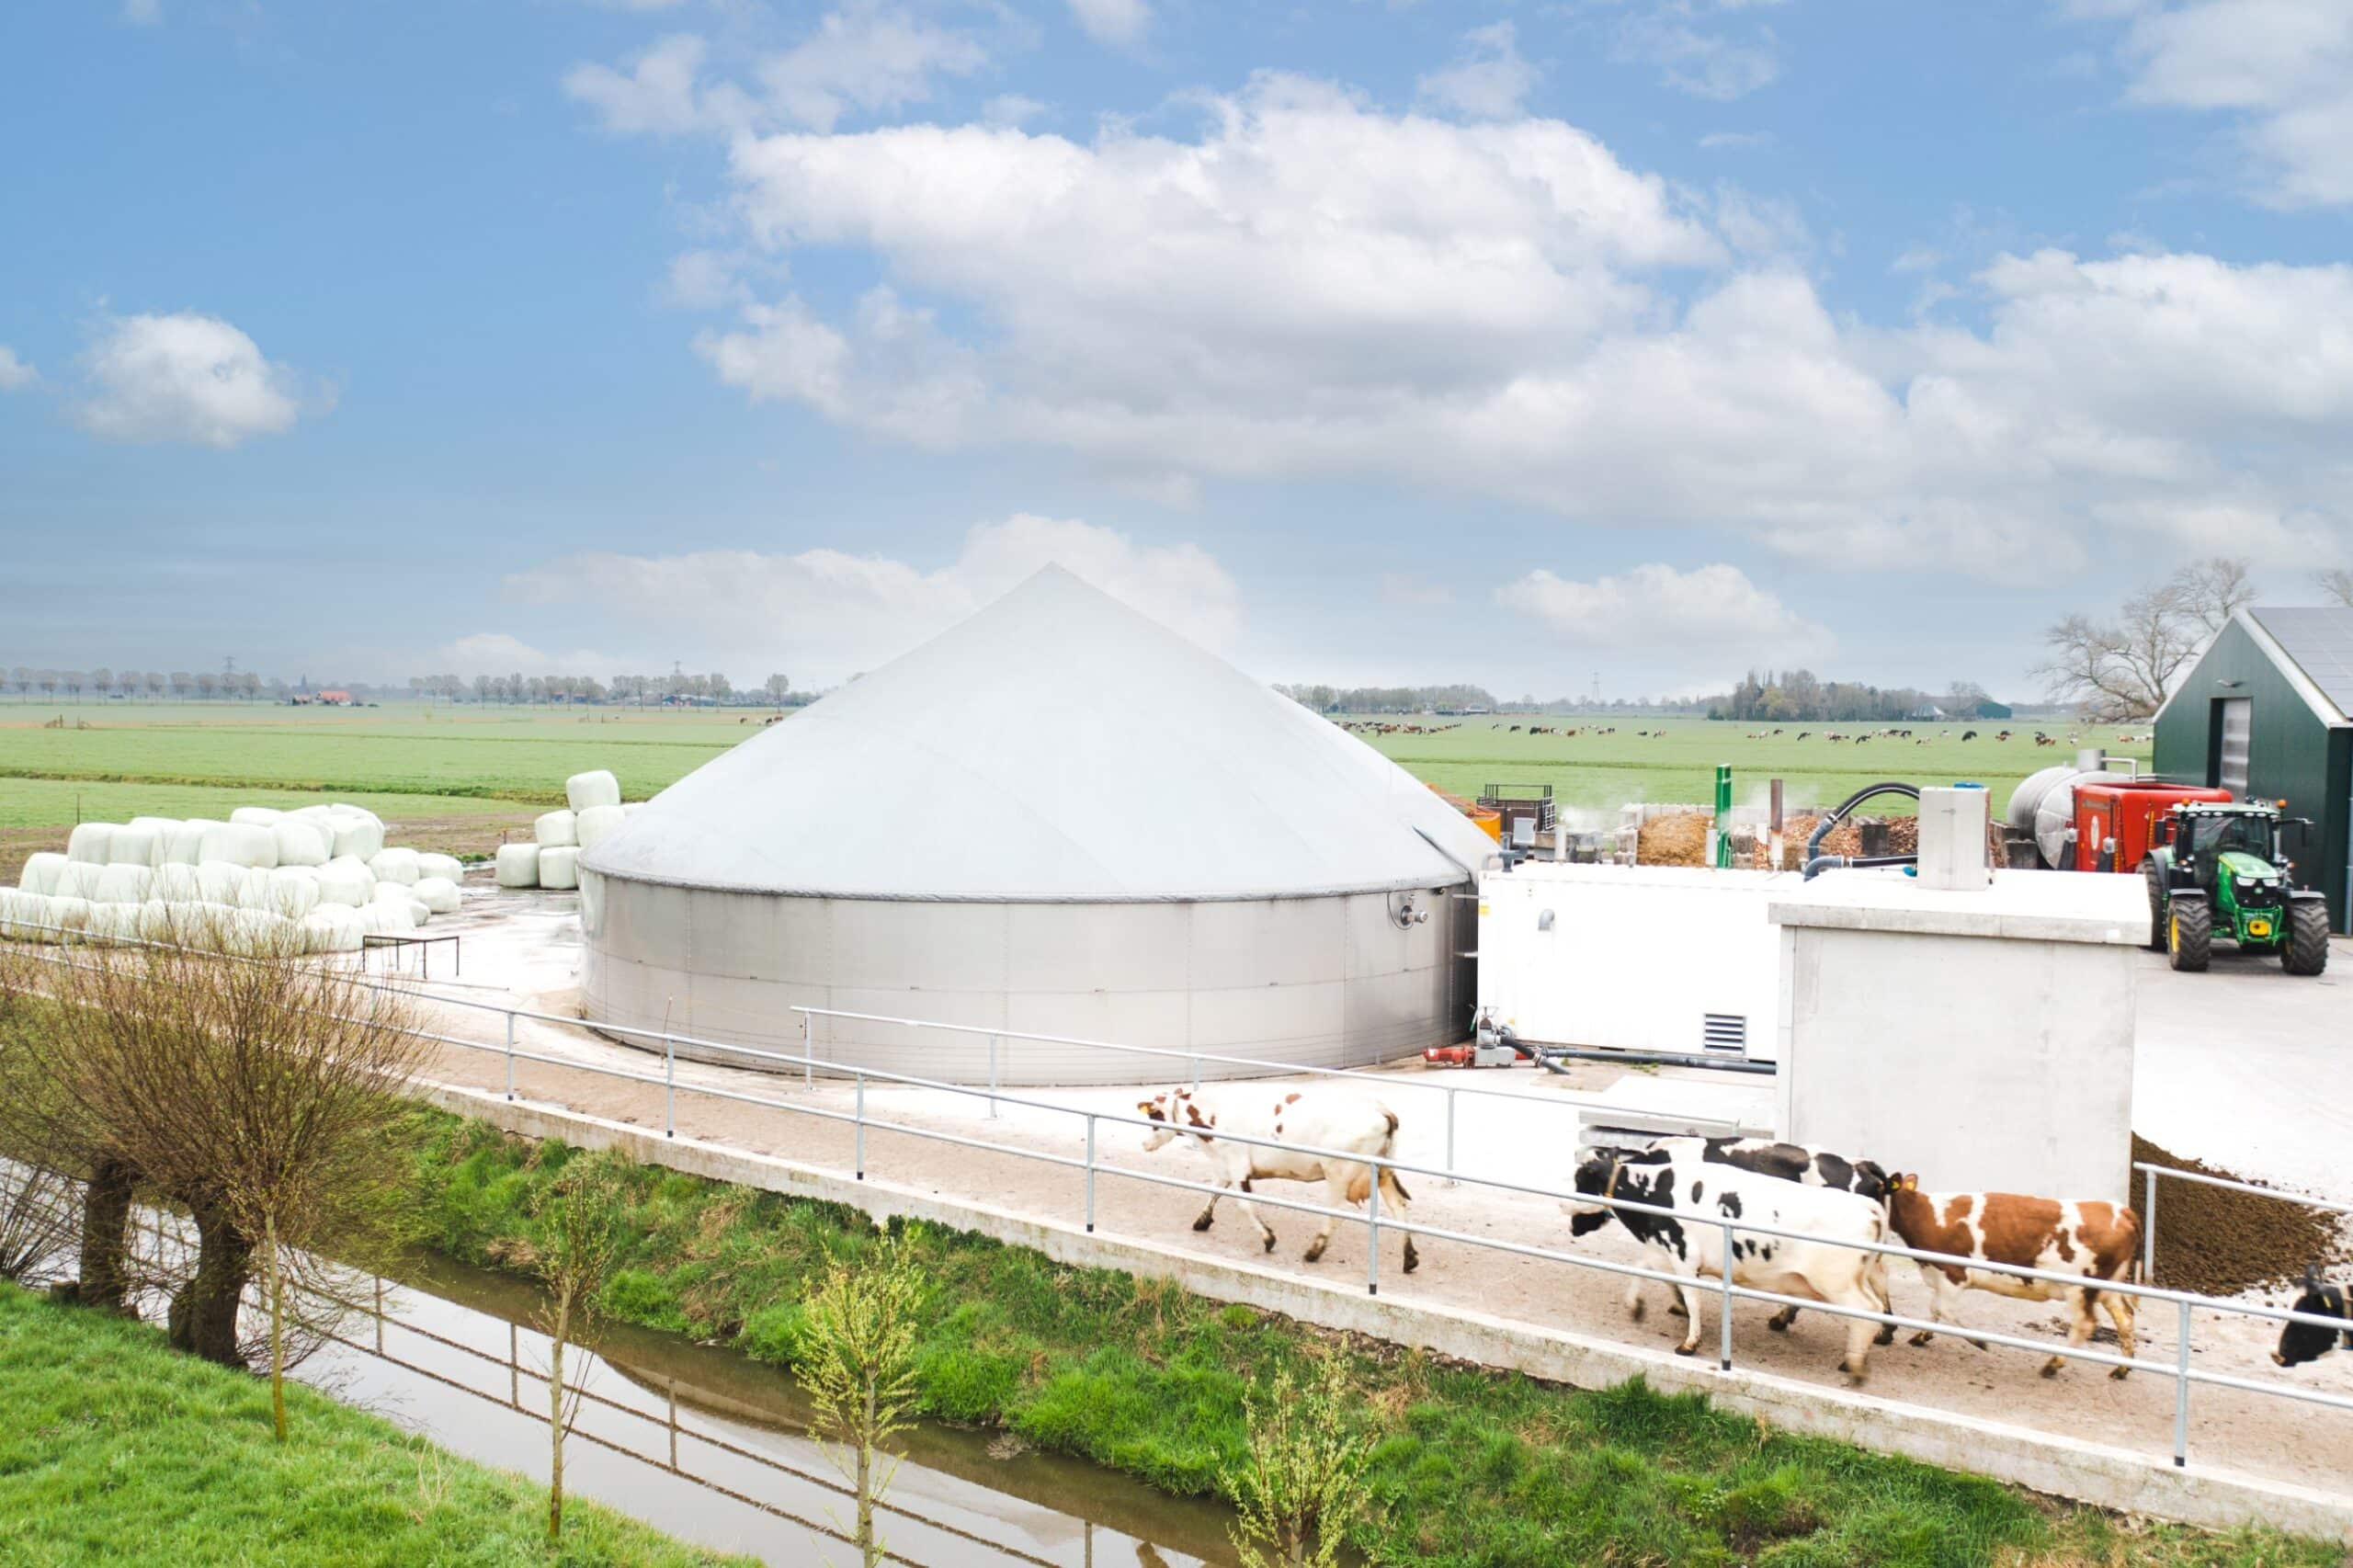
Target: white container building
{"type": "Point", "coordinates": [1056, 818]}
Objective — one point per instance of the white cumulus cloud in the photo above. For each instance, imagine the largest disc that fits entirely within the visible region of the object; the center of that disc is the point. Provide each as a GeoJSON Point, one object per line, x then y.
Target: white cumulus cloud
{"type": "Point", "coordinates": [14, 372]}
{"type": "Point", "coordinates": [1119, 23]}
{"type": "Point", "coordinates": [184, 377]}
{"type": "Point", "coordinates": [1711, 608]}
{"type": "Point", "coordinates": [1487, 80]}
{"type": "Point", "coordinates": [835, 613]}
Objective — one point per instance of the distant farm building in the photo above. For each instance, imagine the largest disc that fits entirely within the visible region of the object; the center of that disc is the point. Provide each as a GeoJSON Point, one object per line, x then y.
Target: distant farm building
{"type": "Point", "coordinates": [2265, 715]}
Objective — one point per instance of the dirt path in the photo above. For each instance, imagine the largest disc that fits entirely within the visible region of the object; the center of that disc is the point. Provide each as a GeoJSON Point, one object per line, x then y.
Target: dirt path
{"type": "Point", "coordinates": [2251, 1433]}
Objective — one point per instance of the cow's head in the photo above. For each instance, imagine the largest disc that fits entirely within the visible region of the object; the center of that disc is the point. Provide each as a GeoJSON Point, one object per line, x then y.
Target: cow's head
{"type": "Point", "coordinates": [1872, 1181]}
{"type": "Point", "coordinates": [1171, 1112]}
{"type": "Point", "coordinates": [1596, 1175]}
{"type": "Point", "coordinates": [2302, 1342]}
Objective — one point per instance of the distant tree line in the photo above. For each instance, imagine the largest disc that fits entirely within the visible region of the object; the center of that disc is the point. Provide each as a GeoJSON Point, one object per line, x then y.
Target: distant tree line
{"type": "Point", "coordinates": [713, 689]}
{"type": "Point", "coordinates": [1392, 698]}
{"type": "Point", "coordinates": [205, 684]}
{"type": "Point", "coordinates": [1801, 697]}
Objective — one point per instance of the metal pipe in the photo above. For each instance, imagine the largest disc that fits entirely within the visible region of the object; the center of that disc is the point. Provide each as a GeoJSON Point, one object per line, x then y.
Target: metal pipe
{"type": "Point", "coordinates": [669, 1089]}
{"type": "Point", "coordinates": [808, 1055]}
{"type": "Point", "coordinates": [2182, 1389]}
{"type": "Point", "coordinates": [1643, 1059]}
{"type": "Point", "coordinates": [1373, 1233]}
{"type": "Point", "coordinates": [1724, 1361]}
{"type": "Point", "coordinates": [2149, 1235]}
{"type": "Point", "coordinates": [1449, 1130]}
{"type": "Point", "coordinates": [993, 1041]}
{"type": "Point", "coordinates": [858, 1115]}
{"type": "Point", "coordinates": [1090, 1176]}
{"type": "Point", "coordinates": [510, 1056]}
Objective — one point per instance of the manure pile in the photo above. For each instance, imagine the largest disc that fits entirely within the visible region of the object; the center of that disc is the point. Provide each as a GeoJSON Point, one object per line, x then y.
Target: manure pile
{"type": "Point", "coordinates": [2219, 1242]}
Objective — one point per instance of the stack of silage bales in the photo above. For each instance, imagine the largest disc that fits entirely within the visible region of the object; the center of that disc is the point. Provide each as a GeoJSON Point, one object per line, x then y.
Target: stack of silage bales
{"type": "Point", "coordinates": [316, 879]}
{"type": "Point", "coordinates": [593, 812]}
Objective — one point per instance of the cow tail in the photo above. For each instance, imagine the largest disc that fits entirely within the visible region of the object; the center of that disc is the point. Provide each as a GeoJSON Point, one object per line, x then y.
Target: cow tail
{"type": "Point", "coordinates": [1388, 1151]}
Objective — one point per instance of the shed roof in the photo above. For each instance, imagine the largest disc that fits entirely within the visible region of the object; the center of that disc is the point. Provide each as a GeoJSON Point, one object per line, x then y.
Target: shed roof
{"type": "Point", "coordinates": [2319, 642]}
{"type": "Point", "coordinates": [1055, 746]}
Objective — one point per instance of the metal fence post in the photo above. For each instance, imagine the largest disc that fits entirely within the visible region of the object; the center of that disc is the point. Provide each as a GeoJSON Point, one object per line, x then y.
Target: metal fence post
{"type": "Point", "coordinates": [510, 1056]}
{"type": "Point", "coordinates": [380, 1314]}
{"type": "Point", "coordinates": [1090, 1173]}
{"type": "Point", "coordinates": [1449, 1130]}
{"type": "Point", "coordinates": [2149, 1237]}
{"type": "Point", "coordinates": [1723, 1360]}
{"type": "Point", "coordinates": [669, 1088]}
{"type": "Point", "coordinates": [993, 1045]}
{"type": "Point", "coordinates": [1373, 1233]}
{"type": "Point", "coordinates": [674, 1426]}
{"type": "Point", "coordinates": [2182, 1389]}
{"type": "Point", "coordinates": [808, 1055]}
{"type": "Point", "coordinates": [859, 1116]}
{"type": "Point", "coordinates": [1197, 1072]}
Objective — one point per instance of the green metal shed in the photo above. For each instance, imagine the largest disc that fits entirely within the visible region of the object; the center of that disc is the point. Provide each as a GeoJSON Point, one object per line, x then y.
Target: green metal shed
{"type": "Point", "coordinates": [2264, 715]}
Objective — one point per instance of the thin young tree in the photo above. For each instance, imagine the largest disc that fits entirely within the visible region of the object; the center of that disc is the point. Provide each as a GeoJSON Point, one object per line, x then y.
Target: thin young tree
{"type": "Point", "coordinates": [857, 1367]}
{"type": "Point", "coordinates": [574, 1245]}
{"type": "Point", "coordinates": [1300, 1486]}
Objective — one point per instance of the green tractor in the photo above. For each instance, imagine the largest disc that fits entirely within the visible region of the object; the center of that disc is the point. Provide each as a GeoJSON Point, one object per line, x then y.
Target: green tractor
{"type": "Point", "coordinates": [2217, 869]}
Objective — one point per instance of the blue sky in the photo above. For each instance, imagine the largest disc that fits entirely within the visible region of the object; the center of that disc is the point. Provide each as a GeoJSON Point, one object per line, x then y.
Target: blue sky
{"type": "Point", "coordinates": [1515, 343]}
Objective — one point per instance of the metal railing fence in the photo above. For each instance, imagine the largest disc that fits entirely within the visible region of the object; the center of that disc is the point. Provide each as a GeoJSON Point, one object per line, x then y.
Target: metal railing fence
{"type": "Point", "coordinates": [2184, 1303]}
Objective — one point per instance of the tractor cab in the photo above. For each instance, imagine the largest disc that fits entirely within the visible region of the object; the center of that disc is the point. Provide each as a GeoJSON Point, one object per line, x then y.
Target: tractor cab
{"type": "Point", "coordinates": [2220, 868]}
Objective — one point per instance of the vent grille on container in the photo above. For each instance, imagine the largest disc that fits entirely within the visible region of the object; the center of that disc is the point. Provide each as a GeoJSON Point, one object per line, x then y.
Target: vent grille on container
{"type": "Point", "coordinates": [1724, 1032]}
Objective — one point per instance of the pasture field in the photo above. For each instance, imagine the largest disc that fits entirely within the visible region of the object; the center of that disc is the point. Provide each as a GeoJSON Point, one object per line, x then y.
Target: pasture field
{"type": "Point", "coordinates": [1677, 762]}
{"type": "Point", "coordinates": [409, 761]}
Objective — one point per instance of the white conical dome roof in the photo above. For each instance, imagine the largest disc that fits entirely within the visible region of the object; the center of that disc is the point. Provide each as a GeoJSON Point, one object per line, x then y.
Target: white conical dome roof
{"type": "Point", "coordinates": [1059, 746]}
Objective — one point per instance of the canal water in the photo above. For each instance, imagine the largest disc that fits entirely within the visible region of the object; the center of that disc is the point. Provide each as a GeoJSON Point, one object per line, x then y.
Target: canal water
{"type": "Point", "coordinates": [714, 1448]}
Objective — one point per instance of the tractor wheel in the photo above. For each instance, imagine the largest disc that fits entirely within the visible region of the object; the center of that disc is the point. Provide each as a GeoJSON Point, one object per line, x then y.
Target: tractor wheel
{"type": "Point", "coordinates": [2155, 876]}
{"type": "Point", "coordinates": [2189, 932]}
{"type": "Point", "coordinates": [2306, 950]}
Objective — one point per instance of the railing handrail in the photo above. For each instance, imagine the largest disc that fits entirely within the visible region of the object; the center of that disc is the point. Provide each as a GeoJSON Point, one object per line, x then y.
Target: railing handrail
{"type": "Point", "coordinates": [2185, 1302]}
{"type": "Point", "coordinates": [2176, 1173]}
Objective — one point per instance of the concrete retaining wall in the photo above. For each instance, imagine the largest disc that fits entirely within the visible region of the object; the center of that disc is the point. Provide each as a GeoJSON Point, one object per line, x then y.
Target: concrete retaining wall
{"type": "Point", "coordinates": [2090, 1472]}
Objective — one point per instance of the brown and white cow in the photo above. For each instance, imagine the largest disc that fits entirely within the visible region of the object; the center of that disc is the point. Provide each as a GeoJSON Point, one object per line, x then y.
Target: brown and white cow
{"type": "Point", "coordinates": [1313, 1118]}
{"type": "Point", "coordinates": [2098, 1240]}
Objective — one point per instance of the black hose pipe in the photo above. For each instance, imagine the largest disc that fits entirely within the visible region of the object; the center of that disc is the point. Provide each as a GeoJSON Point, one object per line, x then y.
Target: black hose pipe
{"type": "Point", "coordinates": [1838, 812]}
{"type": "Point", "coordinates": [1821, 863]}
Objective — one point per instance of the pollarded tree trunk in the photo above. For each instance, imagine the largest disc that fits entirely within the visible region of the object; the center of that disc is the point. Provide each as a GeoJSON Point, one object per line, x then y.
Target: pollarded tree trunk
{"type": "Point", "coordinates": [204, 1313]}
{"type": "Point", "coordinates": [106, 1224]}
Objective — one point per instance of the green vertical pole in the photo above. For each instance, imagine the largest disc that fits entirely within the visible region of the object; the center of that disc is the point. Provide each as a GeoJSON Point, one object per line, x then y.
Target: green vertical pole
{"type": "Point", "coordinates": [1719, 836]}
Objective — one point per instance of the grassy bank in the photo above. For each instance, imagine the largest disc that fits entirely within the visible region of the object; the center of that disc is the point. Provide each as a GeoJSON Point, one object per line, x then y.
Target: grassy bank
{"type": "Point", "coordinates": [1475, 1467]}
{"type": "Point", "coordinates": [114, 1449]}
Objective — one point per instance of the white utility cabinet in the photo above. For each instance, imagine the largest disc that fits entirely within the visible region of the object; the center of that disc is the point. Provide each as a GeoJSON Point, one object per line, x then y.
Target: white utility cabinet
{"type": "Point", "coordinates": [1671, 959]}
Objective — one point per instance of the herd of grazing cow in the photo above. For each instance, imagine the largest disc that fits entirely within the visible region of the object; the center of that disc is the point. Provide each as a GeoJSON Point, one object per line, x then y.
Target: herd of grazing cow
{"type": "Point", "coordinates": [1690, 1188]}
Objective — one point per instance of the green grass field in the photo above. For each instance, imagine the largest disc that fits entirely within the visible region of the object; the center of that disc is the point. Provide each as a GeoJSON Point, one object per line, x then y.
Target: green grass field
{"type": "Point", "coordinates": [409, 760]}
{"type": "Point", "coordinates": [114, 1449]}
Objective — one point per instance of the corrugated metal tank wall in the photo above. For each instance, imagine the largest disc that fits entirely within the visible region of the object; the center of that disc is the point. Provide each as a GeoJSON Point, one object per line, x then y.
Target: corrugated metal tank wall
{"type": "Point", "coordinates": [2291, 756]}
{"type": "Point", "coordinates": [1324, 981]}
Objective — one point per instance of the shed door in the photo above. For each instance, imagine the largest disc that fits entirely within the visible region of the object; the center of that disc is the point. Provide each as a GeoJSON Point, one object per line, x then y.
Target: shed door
{"type": "Point", "coordinates": [2234, 717]}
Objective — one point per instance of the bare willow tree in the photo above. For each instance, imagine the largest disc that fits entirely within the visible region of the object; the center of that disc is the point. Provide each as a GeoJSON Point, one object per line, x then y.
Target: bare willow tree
{"type": "Point", "coordinates": [2336, 583]}
{"type": "Point", "coordinates": [858, 1366]}
{"type": "Point", "coordinates": [575, 1245]}
{"type": "Point", "coordinates": [36, 1222]}
{"type": "Point", "coordinates": [1301, 1486]}
{"type": "Point", "coordinates": [2121, 669]}
{"type": "Point", "coordinates": [255, 1089]}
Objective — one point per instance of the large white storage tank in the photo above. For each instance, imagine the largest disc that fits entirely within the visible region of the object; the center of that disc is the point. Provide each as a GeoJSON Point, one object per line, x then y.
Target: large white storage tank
{"type": "Point", "coordinates": [1057, 818]}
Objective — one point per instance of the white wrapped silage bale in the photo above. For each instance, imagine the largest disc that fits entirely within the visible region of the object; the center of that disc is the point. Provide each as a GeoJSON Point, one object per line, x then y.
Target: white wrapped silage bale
{"type": "Point", "coordinates": [114, 922]}
{"type": "Point", "coordinates": [360, 814]}
{"type": "Point", "coordinates": [255, 816]}
{"type": "Point", "coordinates": [598, 823]}
{"type": "Point", "coordinates": [178, 884]}
{"type": "Point", "coordinates": [629, 807]}
{"type": "Point", "coordinates": [162, 828]}
{"type": "Point", "coordinates": [560, 867]}
{"type": "Point", "coordinates": [131, 846]}
{"type": "Point", "coordinates": [255, 890]}
{"type": "Point", "coordinates": [124, 884]}
{"type": "Point", "coordinates": [156, 921]}
{"type": "Point", "coordinates": [185, 846]}
{"type": "Point", "coordinates": [395, 866]}
{"type": "Point", "coordinates": [79, 878]}
{"type": "Point", "coordinates": [347, 881]}
{"type": "Point", "coordinates": [332, 928]}
{"type": "Point", "coordinates": [258, 933]}
{"type": "Point", "coordinates": [389, 919]}
{"type": "Point", "coordinates": [41, 871]}
{"type": "Point", "coordinates": [207, 926]}
{"type": "Point", "coordinates": [357, 837]}
{"type": "Point", "coordinates": [300, 842]}
{"type": "Point", "coordinates": [294, 890]}
{"type": "Point", "coordinates": [599, 788]}
{"type": "Point", "coordinates": [448, 867]}
{"type": "Point", "coordinates": [216, 881]}
{"type": "Point", "coordinates": [556, 830]}
{"type": "Point", "coordinates": [438, 894]}
{"type": "Point", "coordinates": [20, 912]}
{"type": "Point", "coordinates": [518, 864]}
{"type": "Point", "coordinates": [239, 844]}
{"type": "Point", "coordinates": [67, 913]}
{"type": "Point", "coordinates": [317, 816]}
{"type": "Point", "coordinates": [89, 842]}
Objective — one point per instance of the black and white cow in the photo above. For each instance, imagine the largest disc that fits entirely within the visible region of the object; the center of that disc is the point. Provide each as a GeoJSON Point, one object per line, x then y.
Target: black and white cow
{"type": "Point", "coordinates": [2302, 1342]}
{"type": "Point", "coordinates": [1689, 1242]}
{"type": "Point", "coordinates": [1800, 1163]}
